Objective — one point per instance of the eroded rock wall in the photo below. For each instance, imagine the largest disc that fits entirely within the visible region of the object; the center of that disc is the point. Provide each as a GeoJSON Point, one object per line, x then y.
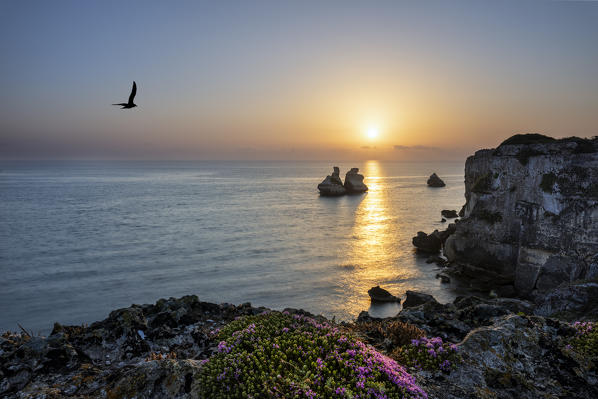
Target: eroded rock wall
{"type": "Point", "coordinates": [531, 213]}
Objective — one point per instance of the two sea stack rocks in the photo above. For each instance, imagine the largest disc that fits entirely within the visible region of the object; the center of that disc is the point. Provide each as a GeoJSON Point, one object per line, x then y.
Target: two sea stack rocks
{"type": "Point", "coordinates": [333, 186]}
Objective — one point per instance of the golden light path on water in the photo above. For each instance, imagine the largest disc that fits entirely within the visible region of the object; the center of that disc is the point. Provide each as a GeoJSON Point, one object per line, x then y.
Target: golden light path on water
{"type": "Point", "coordinates": [372, 254]}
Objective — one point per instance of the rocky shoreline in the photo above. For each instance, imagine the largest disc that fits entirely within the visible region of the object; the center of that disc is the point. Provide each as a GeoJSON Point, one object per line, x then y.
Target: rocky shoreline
{"type": "Point", "coordinates": [160, 350]}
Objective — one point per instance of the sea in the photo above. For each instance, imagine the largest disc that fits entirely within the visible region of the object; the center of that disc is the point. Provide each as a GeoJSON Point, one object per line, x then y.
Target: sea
{"type": "Point", "coordinates": [80, 239]}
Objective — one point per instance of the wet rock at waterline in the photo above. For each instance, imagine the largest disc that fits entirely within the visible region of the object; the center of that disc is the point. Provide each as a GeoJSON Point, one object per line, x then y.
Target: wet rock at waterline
{"type": "Point", "coordinates": [449, 214]}
{"type": "Point", "coordinates": [378, 294]}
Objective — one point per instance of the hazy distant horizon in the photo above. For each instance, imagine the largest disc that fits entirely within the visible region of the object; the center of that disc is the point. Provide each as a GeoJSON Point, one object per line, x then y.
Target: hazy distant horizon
{"type": "Point", "coordinates": [292, 80]}
{"type": "Point", "coordinates": [398, 153]}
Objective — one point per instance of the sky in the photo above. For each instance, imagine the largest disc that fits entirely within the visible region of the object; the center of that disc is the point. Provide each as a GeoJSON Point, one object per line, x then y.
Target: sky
{"type": "Point", "coordinates": [433, 80]}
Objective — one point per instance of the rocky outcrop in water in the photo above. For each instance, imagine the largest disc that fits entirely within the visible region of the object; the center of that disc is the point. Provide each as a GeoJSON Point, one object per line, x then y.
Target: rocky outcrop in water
{"type": "Point", "coordinates": [427, 243]}
{"type": "Point", "coordinates": [435, 181]}
{"type": "Point", "coordinates": [433, 242]}
{"type": "Point", "coordinates": [332, 185]}
{"type": "Point", "coordinates": [378, 294]}
{"type": "Point", "coordinates": [449, 213]}
{"type": "Point", "coordinates": [531, 214]}
{"type": "Point", "coordinates": [354, 182]}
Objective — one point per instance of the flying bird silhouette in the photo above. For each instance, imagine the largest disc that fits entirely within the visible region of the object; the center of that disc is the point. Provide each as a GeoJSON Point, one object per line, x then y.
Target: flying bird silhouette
{"type": "Point", "coordinates": [130, 104]}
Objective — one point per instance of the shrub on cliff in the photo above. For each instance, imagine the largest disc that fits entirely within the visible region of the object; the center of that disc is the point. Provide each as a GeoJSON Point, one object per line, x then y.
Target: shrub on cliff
{"type": "Point", "coordinates": [395, 331]}
{"type": "Point", "coordinates": [282, 356]}
{"type": "Point", "coordinates": [428, 354]}
{"type": "Point", "coordinates": [529, 138]}
{"type": "Point", "coordinates": [586, 340]}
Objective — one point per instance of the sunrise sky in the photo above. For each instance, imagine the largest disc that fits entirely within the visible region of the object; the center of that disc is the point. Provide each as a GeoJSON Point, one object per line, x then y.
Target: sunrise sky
{"type": "Point", "coordinates": [292, 80]}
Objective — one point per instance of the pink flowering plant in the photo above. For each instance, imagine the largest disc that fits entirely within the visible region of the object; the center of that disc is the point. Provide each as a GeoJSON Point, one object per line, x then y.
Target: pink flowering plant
{"type": "Point", "coordinates": [585, 340]}
{"type": "Point", "coordinates": [428, 354]}
{"type": "Point", "coordinates": [293, 356]}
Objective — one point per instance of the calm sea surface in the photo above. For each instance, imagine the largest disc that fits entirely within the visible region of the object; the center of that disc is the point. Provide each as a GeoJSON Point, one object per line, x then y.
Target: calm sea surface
{"type": "Point", "coordinates": [78, 240]}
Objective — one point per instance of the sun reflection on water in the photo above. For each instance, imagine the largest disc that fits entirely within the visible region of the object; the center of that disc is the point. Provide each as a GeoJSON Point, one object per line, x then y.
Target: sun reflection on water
{"type": "Point", "coordinates": [372, 252]}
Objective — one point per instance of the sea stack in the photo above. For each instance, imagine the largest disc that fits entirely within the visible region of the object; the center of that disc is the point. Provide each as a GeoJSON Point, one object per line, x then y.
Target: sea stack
{"type": "Point", "coordinates": [435, 181]}
{"type": "Point", "coordinates": [354, 182]}
{"type": "Point", "coordinates": [332, 186]}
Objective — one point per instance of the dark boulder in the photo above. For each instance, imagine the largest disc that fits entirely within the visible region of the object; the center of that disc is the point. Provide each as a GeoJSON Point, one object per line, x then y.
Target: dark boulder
{"type": "Point", "coordinates": [435, 181]}
{"type": "Point", "coordinates": [378, 294]}
{"type": "Point", "coordinates": [427, 243]}
{"type": "Point", "coordinates": [414, 298]}
{"type": "Point", "coordinates": [449, 214]}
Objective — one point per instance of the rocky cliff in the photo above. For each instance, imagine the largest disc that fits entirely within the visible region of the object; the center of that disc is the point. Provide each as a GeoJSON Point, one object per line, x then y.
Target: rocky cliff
{"type": "Point", "coordinates": [531, 214]}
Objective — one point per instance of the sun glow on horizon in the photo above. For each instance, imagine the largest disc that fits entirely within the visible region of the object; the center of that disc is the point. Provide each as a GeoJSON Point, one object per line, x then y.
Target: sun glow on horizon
{"type": "Point", "coordinates": [372, 132]}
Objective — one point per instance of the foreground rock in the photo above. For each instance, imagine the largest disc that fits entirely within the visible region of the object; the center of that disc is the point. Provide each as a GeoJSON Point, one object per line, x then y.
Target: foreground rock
{"type": "Point", "coordinates": [332, 186]}
{"type": "Point", "coordinates": [570, 301]}
{"type": "Point", "coordinates": [378, 294]}
{"type": "Point", "coordinates": [414, 298]}
{"type": "Point", "coordinates": [354, 182]}
{"type": "Point", "coordinates": [531, 216]}
{"type": "Point", "coordinates": [158, 351]}
{"type": "Point", "coordinates": [506, 352]}
{"type": "Point", "coordinates": [435, 181]}
{"type": "Point", "coordinates": [143, 351]}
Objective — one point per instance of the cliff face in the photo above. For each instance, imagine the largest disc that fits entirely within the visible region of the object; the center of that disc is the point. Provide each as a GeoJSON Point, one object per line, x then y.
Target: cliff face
{"type": "Point", "coordinates": [531, 213]}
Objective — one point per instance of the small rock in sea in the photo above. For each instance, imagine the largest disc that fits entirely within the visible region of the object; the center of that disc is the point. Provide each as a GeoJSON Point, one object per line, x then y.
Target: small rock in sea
{"type": "Point", "coordinates": [443, 220]}
{"type": "Point", "coordinates": [427, 243]}
{"type": "Point", "coordinates": [414, 298]}
{"type": "Point", "coordinates": [449, 214]}
{"type": "Point", "coordinates": [332, 185]}
{"type": "Point", "coordinates": [354, 182]}
{"type": "Point", "coordinates": [435, 181]}
{"type": "Point", "coordinates": [378, 294]}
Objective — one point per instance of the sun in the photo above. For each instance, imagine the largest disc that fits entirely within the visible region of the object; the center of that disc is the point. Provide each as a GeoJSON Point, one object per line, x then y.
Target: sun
{"type": "Point", "coordinates": [372, 132]}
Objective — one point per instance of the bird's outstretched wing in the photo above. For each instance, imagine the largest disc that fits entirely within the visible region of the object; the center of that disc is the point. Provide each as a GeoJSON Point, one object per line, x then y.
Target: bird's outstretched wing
{"type": "Point", "coordinates": [133, 92]}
